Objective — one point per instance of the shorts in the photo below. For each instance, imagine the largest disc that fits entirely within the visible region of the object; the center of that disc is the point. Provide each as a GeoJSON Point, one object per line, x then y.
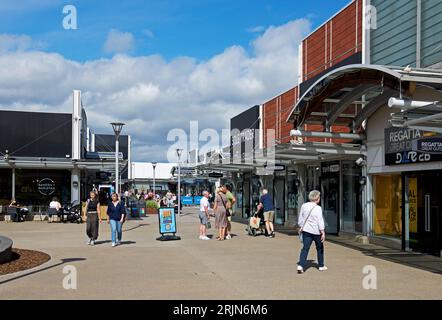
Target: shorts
{"type": "Point", "coordinates": [203, 218]}
{"type": "Point", "coordinates": [269, 216]}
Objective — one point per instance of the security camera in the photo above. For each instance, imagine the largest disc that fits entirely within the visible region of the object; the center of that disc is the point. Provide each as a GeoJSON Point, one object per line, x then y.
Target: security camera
{"type": "Point", "coordinates": [361, 162]}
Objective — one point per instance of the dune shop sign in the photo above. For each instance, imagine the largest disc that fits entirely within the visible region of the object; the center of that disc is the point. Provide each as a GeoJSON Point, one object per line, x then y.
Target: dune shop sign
{"type": "Point", "coordinates": [406, 146]}
{"type": "Point", "coordinates": [46, 186]}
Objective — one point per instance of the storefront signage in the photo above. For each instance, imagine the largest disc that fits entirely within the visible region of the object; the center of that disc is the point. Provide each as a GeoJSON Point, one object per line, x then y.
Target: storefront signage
{"type": "Point", "coordinates": [405, 146]}
{"type": "Point", "coordinates": [46, 186]}
{"type": "Point", "coordinates": [197, 200]}
{"type": "Point", "coordinates": [331, 168]}
{"type": "Point", "coordinates": [187, 201]}
{"type": "Point", "coordinates": [412, 199]}
{"type": "Point", "coordinates": [167, 221]}
{"type": "Point", "coordinates": [275, 167]}
{"type": "Point", "coordinates": [215, 175]}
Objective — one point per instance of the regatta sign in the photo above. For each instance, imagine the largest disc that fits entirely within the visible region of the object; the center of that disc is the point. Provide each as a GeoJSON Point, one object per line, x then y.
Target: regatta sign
{"type": "Point", "coordinates": [405, 146]}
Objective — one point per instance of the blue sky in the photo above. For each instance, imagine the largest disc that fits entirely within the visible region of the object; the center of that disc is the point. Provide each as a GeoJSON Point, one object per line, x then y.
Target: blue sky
{"type": "Point", "coordinates": [155, 65]}
{"type": "Point", "coordinates": [171, 28]}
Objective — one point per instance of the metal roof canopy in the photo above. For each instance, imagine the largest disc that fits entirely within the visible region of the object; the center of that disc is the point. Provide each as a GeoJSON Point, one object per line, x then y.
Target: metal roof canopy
{"type": "Point", "coordinates": [366, 87]}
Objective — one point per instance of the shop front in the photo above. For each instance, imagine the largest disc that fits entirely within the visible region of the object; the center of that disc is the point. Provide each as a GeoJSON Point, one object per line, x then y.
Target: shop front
{"type": "Point", "coordinates": [341, 194]}
{"type": "Point", "coordinates": [408, 197]}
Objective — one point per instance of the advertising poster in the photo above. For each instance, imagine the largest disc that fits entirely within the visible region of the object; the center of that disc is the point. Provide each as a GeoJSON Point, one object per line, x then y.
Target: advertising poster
{"type": "Point", "coordinates": [412, 198]}
{"type": "Point", "coordinates": [167, 220]}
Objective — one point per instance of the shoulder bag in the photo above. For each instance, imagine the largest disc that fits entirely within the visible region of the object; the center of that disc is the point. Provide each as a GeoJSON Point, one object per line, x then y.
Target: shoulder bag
{"type": "Point", "coordinates": [303, 226]}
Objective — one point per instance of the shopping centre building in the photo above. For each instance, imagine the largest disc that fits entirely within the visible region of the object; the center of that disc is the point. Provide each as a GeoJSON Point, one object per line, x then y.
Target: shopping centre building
{"type": "Point", "coordinates": [45, 155]}
{"type": "Point", "coordinates": [363, 125]}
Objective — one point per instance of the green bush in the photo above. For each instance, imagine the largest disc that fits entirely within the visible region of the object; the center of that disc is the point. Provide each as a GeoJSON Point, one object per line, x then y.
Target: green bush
{"type": "Point", "coordinates": [150, 204]}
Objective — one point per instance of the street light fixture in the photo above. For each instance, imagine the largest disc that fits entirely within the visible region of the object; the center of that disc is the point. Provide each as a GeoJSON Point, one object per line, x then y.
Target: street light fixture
{"type": "Point", "coordinates": [154, 165]}
{"type": "Point", "coordinates": [117, 127]}
{"type": "Point", "coordinates": [179, 152]}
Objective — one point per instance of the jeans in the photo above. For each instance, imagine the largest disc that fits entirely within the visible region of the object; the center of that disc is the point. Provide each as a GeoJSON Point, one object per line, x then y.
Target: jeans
{"type": "Point", "coordinates": [308, 238]}
{"type": "Point", "coordinates": [116, 230]}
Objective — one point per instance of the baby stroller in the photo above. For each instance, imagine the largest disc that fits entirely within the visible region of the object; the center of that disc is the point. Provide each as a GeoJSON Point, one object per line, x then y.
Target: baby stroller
{"type": "Point", "coordinates": [256, 224]}
{"type": "Point", "coordinates": [73, 212]}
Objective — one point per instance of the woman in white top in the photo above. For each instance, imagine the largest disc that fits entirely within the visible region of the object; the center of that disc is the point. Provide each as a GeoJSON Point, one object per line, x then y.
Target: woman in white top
{"type": "Point", "coordinates": [312, 229]}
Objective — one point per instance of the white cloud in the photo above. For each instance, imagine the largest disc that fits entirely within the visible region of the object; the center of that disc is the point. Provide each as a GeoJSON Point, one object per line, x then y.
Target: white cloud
{"type": "Point", "coordinates": [148, 33]}
{"type": "Point", "coordinates": [152, 95]}
{"type": "Point", "coordinates": [257, 29]}
{"type": "Point", "coordinates": [119, 42]}
{"type": "Point", "coordinates": [13, 43]}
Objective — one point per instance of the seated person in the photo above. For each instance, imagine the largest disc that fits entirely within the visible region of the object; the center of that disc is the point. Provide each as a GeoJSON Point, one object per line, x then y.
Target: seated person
{"type": "Point", "coordinates": [20, 212]}
{"type": "Point", "coordinates": [55, 204]}
{"type": "Point", "coordinates": [14, 214]}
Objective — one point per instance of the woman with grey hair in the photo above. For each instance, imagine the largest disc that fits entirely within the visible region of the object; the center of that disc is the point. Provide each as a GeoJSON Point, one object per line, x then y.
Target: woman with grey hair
{"type": "Point", "coordinates": [312, 229]}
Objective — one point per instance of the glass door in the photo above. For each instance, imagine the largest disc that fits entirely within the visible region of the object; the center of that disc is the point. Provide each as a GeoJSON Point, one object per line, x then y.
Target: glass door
{"type": "Point", "coordinates": [425, 198]}
{"type": "Point", "coordinates": [330, 196]}
{"type": "Point", "coordinates": [351, 197]}
{"type": "Point", "coordinates": [279, 198]}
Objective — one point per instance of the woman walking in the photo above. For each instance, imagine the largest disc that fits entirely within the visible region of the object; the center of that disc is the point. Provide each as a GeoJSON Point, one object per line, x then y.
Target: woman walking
{"type": "Point", "coordinates": [312, 229]}
{"type": "Point", "coordinates": [116, 213]}
{"type": "Point", "coordinates": [220, 209]}
{"type": "Point", "coordinates": [93, 218]}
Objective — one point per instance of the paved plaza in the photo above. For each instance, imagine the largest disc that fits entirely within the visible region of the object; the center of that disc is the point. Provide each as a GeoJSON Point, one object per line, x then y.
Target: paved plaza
{"type": "Point", "coordinates": [243, 268]}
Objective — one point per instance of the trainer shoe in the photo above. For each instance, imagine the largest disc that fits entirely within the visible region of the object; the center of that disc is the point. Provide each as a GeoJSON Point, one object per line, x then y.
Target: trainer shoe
{"type": "Point", "coordinates": [114, 244]}
{"type": "Point", "coordinates": [92, 243]}
{"type": "Point", "coordinates": [228, 237]}
{"type": "Point", "coordinates": [205, 238]}
{"type": "Point", "coordinates": [300, 270]}
{"type": "Point", "coordinates": [89, 242]}
{"type": "Point", "coordinates": [324, 268]}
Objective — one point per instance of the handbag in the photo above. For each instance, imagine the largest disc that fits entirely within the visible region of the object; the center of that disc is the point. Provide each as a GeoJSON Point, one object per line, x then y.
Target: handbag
{"type": "Point", "coordinates": [255, 222]}
{"type": "Point", "coordinates": [305, 222]}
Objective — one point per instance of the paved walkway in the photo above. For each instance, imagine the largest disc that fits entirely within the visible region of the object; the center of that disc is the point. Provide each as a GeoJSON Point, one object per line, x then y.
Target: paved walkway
{"type": "Point", "coordinates": [243, 268]}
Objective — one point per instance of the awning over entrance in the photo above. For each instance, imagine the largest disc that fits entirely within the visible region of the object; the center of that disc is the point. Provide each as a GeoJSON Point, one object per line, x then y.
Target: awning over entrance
{"type": "Point", "coordinates": [349, 95]}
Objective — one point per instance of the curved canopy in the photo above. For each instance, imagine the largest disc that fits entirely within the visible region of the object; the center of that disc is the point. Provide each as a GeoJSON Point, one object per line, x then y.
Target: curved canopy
{"type": "Point", "coordinates": [350, 94]}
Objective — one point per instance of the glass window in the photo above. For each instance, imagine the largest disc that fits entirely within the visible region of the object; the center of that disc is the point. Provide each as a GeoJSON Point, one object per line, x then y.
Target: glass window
{"type": "Point", "coordinates": [5, 186]}
{"type": "Point", "coordinates": [388, 205]}
{"type": "Point", "coordinates": [38, 187]}
{"type": "Point", "coordinates": [352, 197]}
{"type": "Point", "coordinates": [292, 191]}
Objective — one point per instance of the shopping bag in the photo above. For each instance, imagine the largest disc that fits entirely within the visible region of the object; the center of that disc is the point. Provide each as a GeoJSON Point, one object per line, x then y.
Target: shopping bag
{"type": "Point", "coordinates": [255, 222]}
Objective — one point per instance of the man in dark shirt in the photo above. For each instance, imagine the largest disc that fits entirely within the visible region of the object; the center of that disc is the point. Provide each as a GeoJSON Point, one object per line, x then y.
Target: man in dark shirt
{"type": "Point", "coordinates": [266, 202]}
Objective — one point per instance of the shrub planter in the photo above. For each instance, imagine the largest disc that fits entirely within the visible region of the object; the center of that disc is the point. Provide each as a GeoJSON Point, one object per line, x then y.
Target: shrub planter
{"type": "Point", "coordinates": [152, 211]}
{"type": "Point", "coordinates": [5, 249]}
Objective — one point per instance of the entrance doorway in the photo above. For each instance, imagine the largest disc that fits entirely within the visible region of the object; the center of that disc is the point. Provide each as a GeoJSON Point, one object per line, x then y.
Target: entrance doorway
{"type": "Point", "coordinates": [330, 195]}
{"type": "Point", "coordinates": [279, 195]}
{"type": "Point", "coordinates": [425, 212]}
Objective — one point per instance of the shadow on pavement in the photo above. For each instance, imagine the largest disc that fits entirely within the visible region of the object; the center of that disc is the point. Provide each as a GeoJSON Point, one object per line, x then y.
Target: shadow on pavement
{"type": "Point", "coordinates": [62, 262]}
{"type": "Point", "coordinates": [137, 227]}
{"type": "Point", "coordinates": [415, 260]}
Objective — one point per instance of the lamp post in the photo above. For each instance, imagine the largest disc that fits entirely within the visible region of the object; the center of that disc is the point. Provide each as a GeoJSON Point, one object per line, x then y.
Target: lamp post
{"type": "Point", "coordinates": [154, 165]}
{"type": "Point", "coordinates": [178, 153]}
{"type": "Point", "coordinates": [118, 127]}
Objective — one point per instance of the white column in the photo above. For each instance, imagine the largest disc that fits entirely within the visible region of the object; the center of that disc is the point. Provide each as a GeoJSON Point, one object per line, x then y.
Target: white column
{"type": "Point", "coordinates": [129, 157]}
{"type": "Point", "coordinates": [76, 126]}
{"type": "Point", "coordinates": [13, 183]}
{"type": "Point", "coordinates": [179, 186]}
{"type": "Point", "coordinates": [75, 180]}
{"type": "Point", "coordinates": [117, 177]}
